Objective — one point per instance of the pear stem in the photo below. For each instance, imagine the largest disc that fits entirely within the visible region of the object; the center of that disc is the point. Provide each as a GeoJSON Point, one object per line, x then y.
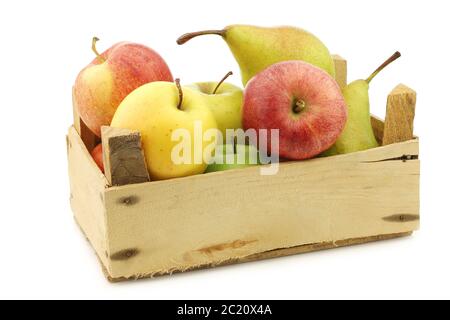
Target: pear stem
{"type": "Point", "coordinates": [221, 81]}
{"type": "Point", "coordinates": [188, 36]}
{"type": "Point", "coordinates": [99, 57]}
{"type": "Point", "coordinates": [180, 93]}
{"type": "Point", "coordinates": [394, 57]}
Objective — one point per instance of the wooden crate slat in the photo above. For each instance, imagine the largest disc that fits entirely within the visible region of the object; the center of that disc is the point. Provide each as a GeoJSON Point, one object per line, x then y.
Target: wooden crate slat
{"type": "Point", "coordinates": [87, 186]}
{"type": "Point", "coordinates": [186, 223]}
{"type": "Point", "coordinates": [123, 157]}
{"type": "Point", "coordinates": [400, 111]}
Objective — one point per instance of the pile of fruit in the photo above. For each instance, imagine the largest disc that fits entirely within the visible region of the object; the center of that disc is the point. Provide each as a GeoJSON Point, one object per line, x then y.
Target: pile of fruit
{"type": "Point", "coordinates": [288, 75]}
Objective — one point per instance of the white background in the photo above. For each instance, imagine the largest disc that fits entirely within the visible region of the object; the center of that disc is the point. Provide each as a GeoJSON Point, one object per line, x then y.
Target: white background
{"type": "Point", "coordinates": [44, 44]}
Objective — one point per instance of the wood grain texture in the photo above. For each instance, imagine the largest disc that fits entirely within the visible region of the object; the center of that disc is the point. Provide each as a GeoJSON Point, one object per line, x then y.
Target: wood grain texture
{"type": "Point", "coordinates": [400, 111]}
{"type": "Point", "coordinates": [182, 224]}
{"type": "Point", "coordinates": [123, 157]}
{"type": "Point", "coordinates": [87, 186]}
{"type": "Point", "coordinates": [340, 66]}
{"type": "Point", "coordinates": [277, 253]}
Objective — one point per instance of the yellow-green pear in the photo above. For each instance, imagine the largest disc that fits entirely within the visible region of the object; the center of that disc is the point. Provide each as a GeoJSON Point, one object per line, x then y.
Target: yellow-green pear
{"type": "Point", "coordinates": [358, 133]}
{"type": "Point", "coordinates": [225, 102]}
{"type": "Point", "coordinates": [256, 48]}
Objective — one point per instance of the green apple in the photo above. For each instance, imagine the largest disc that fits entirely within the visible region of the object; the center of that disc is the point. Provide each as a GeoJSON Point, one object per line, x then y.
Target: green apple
{"type": "Point", "coordinates": [158, 110]}
{"type": "Point", "coordinates": [229, 156]}
{"type": "Point", "coordinates": [225, 102]}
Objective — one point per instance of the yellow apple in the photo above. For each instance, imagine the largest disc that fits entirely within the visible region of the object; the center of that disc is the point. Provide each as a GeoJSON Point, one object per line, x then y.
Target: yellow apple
{"type": "Point", "coordinates": [225, 103]}
{"type": "Point", "coordinates": [160, 111]}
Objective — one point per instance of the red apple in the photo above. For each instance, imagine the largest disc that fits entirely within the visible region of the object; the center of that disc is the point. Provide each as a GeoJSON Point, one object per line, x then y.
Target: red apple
{"type": "Point", "coordinates": [111, 76]}
{"type": "Point", "coordinates": [302, 101]}
{"type": "Point", "coordinates": [97, 155]}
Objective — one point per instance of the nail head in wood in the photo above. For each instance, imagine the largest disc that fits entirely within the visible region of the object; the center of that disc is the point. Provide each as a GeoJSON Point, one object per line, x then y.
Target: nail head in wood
{"type": "Point", "coordinates": [124, 254]}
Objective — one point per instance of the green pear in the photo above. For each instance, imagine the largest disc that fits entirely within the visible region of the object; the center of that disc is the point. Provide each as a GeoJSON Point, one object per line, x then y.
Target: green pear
{"type": "Point", "coordinates": [225, 102]}
{"type": "Point", "coordinates": [256, 48]}
{"type": "Point", "coordinates": [358, 133]}
{"type": "Point", "coordinates": [234, 156]}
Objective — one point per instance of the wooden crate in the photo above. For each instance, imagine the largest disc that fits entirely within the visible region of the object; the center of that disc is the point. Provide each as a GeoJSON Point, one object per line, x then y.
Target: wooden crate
{"type": "Point", "coordinates": [156, 228]}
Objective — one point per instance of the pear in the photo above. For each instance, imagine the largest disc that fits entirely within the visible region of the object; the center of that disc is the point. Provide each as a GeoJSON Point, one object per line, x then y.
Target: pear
{"type": "Point", "coordinates": [256, 48]}
{"type": "Point", "coordinates": [358, 133]}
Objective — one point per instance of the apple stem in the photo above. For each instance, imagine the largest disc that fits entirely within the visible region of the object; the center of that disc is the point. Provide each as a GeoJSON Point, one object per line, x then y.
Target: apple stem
{"type": "Point", "coordinates": [180, 93]}
{"type": "Point", "coordinates": [221, 81]}
{"type": "Point", "coordinates": [99, 57]}
{"type": "Point", "coordinates": [299, 106]}
{"type": "Point", "coordinates": [188, 36]}
{"type": "Point", "coordinates": [394, 57]}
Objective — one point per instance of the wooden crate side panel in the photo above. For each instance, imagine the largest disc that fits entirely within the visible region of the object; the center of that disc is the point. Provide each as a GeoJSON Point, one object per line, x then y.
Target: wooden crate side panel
{"type": "Point", "coordinates": [176, 225]}
{"type": "Point", "coordinates": [382, 198]}
{"type": "Point", "coordinates": [87, 185]}
{"type": "Point", "coordinates": [273, 254]}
